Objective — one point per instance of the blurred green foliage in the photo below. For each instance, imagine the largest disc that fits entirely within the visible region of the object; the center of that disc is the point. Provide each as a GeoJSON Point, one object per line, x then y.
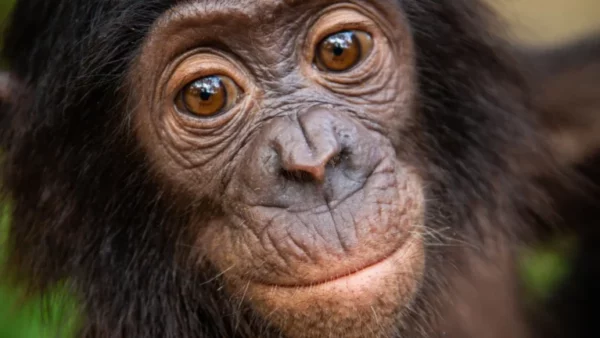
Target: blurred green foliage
{"type": "Point", "coordinates": [544, 267]}
{"type": "Point", "coordinates": [5, 6]}
{"type": "Point", "coordinates": [22, 318]}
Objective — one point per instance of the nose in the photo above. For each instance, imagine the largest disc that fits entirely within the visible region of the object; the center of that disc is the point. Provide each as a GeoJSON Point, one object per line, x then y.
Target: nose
{"type": "Point", "coordinates": [298, 160]}
{"type": "Point", "coordinates": [309, 148]}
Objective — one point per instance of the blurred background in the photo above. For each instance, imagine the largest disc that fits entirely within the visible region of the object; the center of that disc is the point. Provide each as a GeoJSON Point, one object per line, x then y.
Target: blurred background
{"type": "Point", "coordinates": [540, 22]}
{"type": "Point", "coordinates": [533, 22]}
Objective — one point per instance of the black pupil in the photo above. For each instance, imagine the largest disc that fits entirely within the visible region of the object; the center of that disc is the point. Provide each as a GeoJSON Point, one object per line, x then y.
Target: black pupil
{"type": "Point", "coordinates": [338, 50]}
{"type": "Point", "coordinates": [205, 95]}
{"type": "Point", "coordinates": [207, 87]}
{"type": "Point", "coordinates": [341, 42]}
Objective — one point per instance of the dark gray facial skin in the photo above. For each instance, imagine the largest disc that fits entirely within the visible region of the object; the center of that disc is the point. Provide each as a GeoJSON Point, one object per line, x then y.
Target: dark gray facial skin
{"type": "Point", "coordinates": [323, 215]}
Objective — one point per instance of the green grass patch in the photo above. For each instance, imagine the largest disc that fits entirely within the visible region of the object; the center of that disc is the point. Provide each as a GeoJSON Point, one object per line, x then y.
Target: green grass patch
{"type": "Point", "coordinates": [21, 317]}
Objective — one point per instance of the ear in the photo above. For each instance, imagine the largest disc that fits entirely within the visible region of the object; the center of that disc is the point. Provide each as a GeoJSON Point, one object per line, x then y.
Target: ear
{"type": "Point", "coordinates": [566, 95]}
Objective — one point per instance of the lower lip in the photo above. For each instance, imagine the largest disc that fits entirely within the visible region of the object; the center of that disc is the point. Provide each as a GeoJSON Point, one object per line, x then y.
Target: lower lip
{"type": "Point", "coordinates": [359, 282]}
{"type": "Point", "coordinates": [392, 281]}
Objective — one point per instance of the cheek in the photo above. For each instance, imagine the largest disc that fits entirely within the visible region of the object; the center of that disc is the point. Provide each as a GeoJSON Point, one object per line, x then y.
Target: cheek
{"type": "Point", "coordinates": [387, 99]}
{"type": "Point", "coordinates": [190, 154]}
{"type": "Point", "coordinates": [186, 160]}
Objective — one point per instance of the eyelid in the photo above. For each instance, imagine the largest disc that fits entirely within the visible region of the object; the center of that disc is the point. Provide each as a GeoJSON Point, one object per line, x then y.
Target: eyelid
{"type": "Point", "coordinates": [232, 96]}
{"type": "Point", "coordinates": [201, 64]}
{"type": "Point", "coordinates": [334, 20]}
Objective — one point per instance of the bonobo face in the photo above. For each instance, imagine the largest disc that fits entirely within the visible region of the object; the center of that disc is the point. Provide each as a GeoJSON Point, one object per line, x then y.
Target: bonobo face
{"type": "Point", "coordinates": [294, 119]}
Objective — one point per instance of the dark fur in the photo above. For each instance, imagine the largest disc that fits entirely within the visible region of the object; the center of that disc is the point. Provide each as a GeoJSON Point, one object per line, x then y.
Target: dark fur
{"type": "Point", "coordinates": [86, 210]}
{"type": "Point", "coordinates": [566, 83]}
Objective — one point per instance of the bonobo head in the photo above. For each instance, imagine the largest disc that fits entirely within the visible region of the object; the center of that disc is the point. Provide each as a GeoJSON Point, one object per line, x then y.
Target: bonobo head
{"type": "Point", "coordinates": [211, 168]}
{"type": "Point", "coordinates": [297, 127]}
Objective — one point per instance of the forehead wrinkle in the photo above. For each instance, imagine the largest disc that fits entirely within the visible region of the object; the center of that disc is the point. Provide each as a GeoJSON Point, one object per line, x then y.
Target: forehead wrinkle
{"type": "Point", "coordinates": [250, 7]}
{"type": "Point", "coordinates": [216, 10]}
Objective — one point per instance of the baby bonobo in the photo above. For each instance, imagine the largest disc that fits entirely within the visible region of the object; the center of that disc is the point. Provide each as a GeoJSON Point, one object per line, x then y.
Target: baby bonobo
{"type": "Point", "coordinates": [261, 168]}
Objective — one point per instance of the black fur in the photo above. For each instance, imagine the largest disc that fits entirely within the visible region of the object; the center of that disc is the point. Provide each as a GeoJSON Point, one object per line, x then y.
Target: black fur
{"type": "Point", "coordinates": [86, 210]}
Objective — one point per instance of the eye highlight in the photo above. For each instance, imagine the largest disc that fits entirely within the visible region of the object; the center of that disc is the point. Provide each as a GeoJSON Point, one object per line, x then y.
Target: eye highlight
{"type": "Point", "coordinates": [342, 51]}
{"type": "Point", "coordinates": [208, 96]}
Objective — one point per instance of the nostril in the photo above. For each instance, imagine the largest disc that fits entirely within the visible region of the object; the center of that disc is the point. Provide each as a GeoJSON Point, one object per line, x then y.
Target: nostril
{"type": "Point", "coordinates": [338, 158]}
{"type": "Point", "coordinates": [334, 161]}
{"type": "Point", "coordinates": [303, 166]}
{"type": "Point", "coordinates": [299, 176]}
{"type": "Point", "coordinates": [304, 172]}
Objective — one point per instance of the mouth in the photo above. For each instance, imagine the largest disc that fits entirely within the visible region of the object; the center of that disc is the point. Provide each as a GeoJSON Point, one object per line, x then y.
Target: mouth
{"type": "Point", "coordinates": [368, 271]}
{"type": "Point", "coordinates": [363, 284]}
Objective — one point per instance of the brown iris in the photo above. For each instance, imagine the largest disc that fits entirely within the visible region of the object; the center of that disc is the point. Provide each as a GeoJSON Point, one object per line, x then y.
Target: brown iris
{"type": "Point", "coordinates": [208, 96]}
{"type": "Point", "coordinates": [342, 51]}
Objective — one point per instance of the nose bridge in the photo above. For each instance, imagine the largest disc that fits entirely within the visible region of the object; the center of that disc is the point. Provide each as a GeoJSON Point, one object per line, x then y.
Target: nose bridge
{"type": "Point", "coordinates": [320, 134]}
{"type": "Point", "coordinates": [319, 130]}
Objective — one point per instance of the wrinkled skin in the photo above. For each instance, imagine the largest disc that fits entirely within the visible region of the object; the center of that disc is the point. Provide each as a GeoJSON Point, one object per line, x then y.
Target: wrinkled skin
{"type": "Point", "coordinates": [307, 164]}
{"type": "Point", "coordinates": [312, 203]}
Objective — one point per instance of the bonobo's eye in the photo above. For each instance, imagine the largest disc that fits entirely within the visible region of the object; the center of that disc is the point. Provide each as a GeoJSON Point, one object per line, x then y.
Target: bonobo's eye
{"type": "Point", "coordinates": [343, 50]}
{"type": "Point", "coordinates": [208, 96]}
